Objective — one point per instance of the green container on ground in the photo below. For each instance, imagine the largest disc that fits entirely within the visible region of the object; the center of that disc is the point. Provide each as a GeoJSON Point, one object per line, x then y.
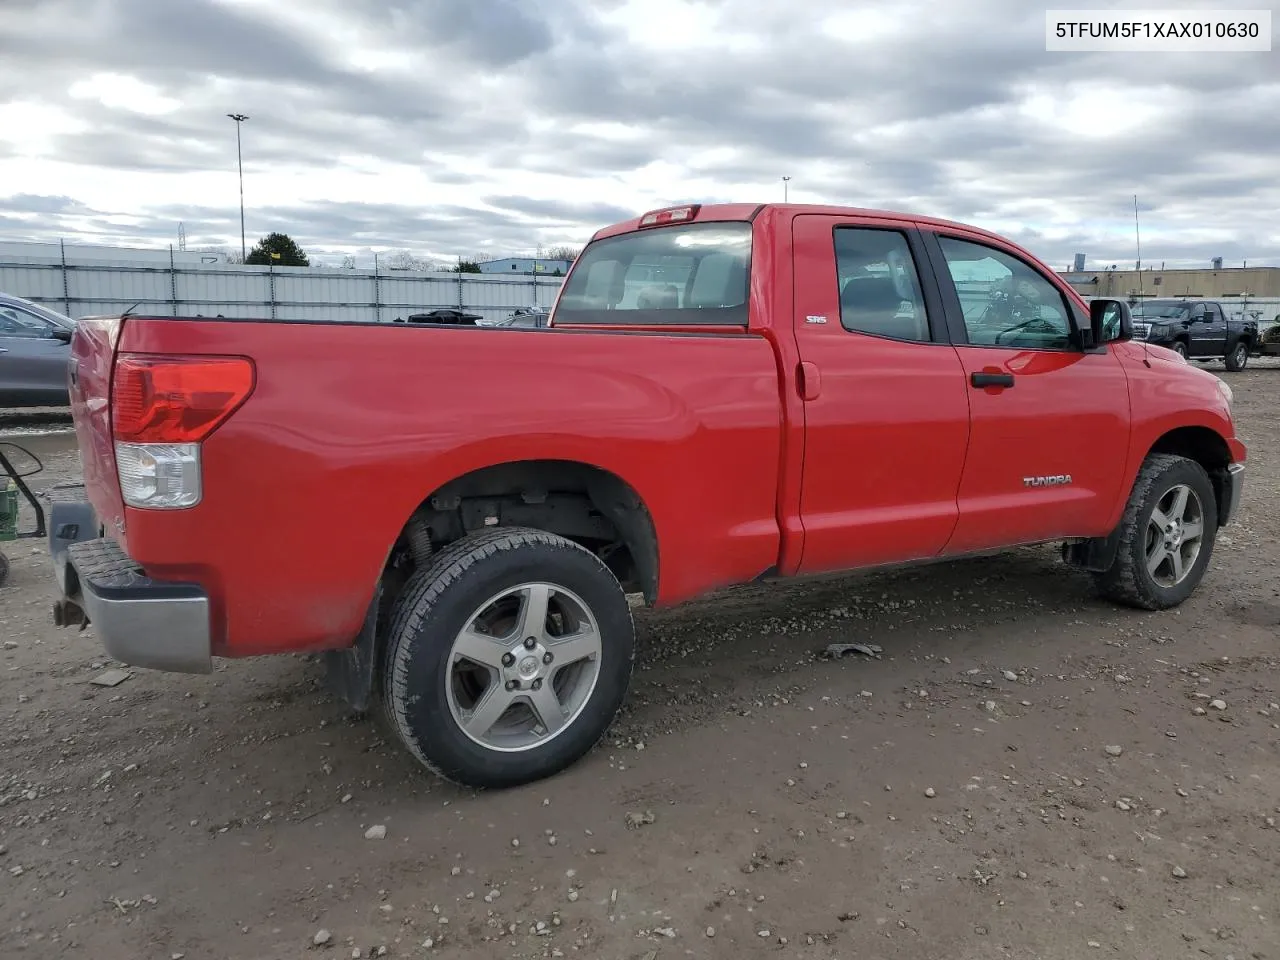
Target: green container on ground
{"type": "Point", "coordinates": [8, 511]}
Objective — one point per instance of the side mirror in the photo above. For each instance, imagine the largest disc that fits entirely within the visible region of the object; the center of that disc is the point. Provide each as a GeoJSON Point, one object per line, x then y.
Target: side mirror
{"type": "Point", "coordinates": [61, 333]}
{"type": "Point", "coordinates": [1110, 321]}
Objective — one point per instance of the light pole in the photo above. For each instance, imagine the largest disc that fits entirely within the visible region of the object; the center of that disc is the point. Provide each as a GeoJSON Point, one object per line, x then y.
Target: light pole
{"type": "Point", "coordinates": [785, 193]}
{"type": "Point", "coordinates": [239, 118]}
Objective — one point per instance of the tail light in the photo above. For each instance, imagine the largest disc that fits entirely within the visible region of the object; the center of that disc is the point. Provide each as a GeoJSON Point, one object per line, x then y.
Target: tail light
{"type": "Point", "coordinates": [162, 407]}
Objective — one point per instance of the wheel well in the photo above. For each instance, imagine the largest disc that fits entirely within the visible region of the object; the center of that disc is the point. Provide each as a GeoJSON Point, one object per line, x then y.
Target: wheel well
{"type": "Point", "coordinates": [580, 502]}
{"type": "Point", "coordinates": [1205, 447]}
{"type": "Point", "coordinates": [590, 506]}
{"type": "Point", "coordinates": [1200, 444]}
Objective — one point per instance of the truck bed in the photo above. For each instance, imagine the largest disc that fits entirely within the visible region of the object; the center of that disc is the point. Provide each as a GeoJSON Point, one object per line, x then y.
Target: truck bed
{"type": "Point", "coordinates": [340, 441]}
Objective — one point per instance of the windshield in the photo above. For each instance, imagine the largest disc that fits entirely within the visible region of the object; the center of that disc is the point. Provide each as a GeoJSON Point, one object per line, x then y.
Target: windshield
{"type": "Point", "coordinates": [1159, 310]}
{"type": "Point", "coordinates": [690, 274]}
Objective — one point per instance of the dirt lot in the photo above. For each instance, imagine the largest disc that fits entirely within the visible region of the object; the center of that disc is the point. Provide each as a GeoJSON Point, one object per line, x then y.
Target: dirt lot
{"type": "Point", "coordinates": [1028, 772]}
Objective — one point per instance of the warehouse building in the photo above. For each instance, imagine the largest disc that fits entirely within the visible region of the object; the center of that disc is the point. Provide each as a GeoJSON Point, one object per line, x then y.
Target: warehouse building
{"type": "Point", "coordinates": [1255, 283]}
{"type": "Point", "coordinates": [523, 266]}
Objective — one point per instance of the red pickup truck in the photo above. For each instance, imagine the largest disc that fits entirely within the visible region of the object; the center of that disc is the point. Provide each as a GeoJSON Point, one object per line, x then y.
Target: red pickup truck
{"type": "Point", "coordinates": [725, 393]}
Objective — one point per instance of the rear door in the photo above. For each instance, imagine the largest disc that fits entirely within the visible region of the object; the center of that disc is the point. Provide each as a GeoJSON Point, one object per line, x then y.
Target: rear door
{"type": "Point", "coordinates": [1050, 422]}
{"type": "Point", "coordinates": [1211, 336]}
{"type": "Point", "coordinates": [886, 410]}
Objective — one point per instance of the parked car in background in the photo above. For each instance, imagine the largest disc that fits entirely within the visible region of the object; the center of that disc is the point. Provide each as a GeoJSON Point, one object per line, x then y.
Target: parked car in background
{"type": "Point", "coordinates": [445, 315]}
{"type": "Point", "coordinates": [525, 317]}
{"type": "Point", "coordinates": [1197, 329]}
{"type": "Point", "coordinates": [34, 350]}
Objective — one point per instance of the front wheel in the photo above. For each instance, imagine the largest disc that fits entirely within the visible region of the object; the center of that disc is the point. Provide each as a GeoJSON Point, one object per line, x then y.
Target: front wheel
{"type": "Point", "coordinates": [1238, 357]}
{"type": "Point", "coordinates": [509, 656]}
{"type": "Point", "coordinates": [1179, 348]}
{"type": "Point", "coordinates": [1166, 535]}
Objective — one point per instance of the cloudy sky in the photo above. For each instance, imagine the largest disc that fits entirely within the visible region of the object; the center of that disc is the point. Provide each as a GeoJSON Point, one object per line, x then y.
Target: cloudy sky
{"type": "Point", "coordinates": [449, 127]}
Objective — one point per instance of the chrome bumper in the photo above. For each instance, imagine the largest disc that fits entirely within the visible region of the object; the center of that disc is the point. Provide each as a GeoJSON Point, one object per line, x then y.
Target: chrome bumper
{"type": "Point", "coordinates": [149, 623]}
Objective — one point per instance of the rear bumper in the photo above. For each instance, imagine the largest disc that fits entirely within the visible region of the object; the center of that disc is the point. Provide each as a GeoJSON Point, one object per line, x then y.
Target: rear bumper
{"type": "Point", "coordinates": [1231, 493]}
{"type": "Point", "coordinates": [142, 622]}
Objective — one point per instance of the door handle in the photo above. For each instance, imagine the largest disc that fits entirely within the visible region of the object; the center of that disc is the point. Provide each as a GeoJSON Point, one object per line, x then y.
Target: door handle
{"type": "Point", "coordinates": [808, 380]}
{"type": "Point", "coordinates": [985, 379]}
{"type": "Point", "coordinates": [4, 349]}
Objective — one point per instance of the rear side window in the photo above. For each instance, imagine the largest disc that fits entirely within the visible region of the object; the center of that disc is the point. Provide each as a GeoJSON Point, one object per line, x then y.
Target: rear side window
{"type": "Point", "coordinates": [879, 286]}
{"type": "Point", "coordinates": [694, 273]}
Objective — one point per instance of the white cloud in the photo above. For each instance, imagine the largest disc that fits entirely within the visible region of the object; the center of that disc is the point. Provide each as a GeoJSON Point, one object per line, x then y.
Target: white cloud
{"type": "Point", "coordinates": [495, 125]}
{"type": "Point", "coordinates": [120, 91]}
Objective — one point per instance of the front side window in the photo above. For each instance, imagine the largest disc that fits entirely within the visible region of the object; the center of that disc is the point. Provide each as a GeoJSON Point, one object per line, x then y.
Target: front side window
{"type": "Point", "coordinates": [19, 323]}
{"type": "Point", "coordinates": [1006, 303]}
{"type": "Point", "coordinates": [879, 286]}
{"type": "Point", "coordinates": [693, 273]}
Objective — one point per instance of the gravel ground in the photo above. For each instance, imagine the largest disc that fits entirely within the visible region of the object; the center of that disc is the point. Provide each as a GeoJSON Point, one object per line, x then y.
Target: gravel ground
{"type": "Point", "coordinates": [1028, 772]}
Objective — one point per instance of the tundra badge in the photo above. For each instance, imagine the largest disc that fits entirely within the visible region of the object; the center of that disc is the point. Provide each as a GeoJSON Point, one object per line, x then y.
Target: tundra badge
{"type": "Point", "coordinates": [1058, 480]}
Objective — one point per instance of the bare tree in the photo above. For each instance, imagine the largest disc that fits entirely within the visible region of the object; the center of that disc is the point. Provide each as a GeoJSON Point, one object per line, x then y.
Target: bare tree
{"type": "Point", "coordinates": [224, 253]}
{"type": "Point", "coordinates": [348, 262]}
{"type": "Point", "coordinates": [562, 253]}
{"type": "Point", "coordinates": [404, 260]}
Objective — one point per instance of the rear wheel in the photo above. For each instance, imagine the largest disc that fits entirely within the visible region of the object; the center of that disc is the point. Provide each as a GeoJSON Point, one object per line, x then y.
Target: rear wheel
{"type": "Point", "coordinates": [509, 656]}
{"type": "Point", "coordinates": [1166, 537]}
{"type": "Point", "coordinates": [1238, 357]}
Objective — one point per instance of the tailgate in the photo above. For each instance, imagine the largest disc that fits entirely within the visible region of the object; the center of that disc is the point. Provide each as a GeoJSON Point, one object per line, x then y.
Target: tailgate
{"type": "Point", "coordinates": [93, 349]}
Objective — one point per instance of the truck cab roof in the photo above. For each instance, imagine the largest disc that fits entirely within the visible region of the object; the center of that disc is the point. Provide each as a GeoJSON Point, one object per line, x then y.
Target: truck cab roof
{"type": "Point", "coordinates": [750, 211]}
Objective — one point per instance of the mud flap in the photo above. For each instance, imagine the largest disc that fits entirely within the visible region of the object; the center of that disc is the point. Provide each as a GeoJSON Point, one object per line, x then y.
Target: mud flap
{"type": "Point", "coordinates": [351, 672]}
{"type": "Point", "coordinates": [1096, 554]}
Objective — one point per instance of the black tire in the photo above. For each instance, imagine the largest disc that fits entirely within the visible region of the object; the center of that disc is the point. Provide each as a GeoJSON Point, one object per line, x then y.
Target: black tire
{"type": "Point", "coordinates": [1179, 346]}
{"type": "Point", "coordinates": [1128, 581]}
{"type": "Point", "coordinates": [439, 600]}
{"type": "Point", "coordinates": [1238, 357]}
{"type": "Point", "coordinates": [4, 569]}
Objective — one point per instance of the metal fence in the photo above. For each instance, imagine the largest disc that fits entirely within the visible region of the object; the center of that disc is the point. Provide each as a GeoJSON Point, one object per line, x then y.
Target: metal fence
{"type": "Point", "coordinates": [79, 286]}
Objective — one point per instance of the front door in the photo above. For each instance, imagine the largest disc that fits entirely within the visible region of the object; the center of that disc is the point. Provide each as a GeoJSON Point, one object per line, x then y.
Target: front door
{"type": "Point", "coordinates": [1050, 422]}
{"type": "Point", "coordinates": [886, 406]}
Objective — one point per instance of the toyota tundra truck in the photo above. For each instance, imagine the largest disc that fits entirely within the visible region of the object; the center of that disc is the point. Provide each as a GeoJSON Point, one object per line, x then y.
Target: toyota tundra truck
{"type": "Point", "coordinates": [723, 394]}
